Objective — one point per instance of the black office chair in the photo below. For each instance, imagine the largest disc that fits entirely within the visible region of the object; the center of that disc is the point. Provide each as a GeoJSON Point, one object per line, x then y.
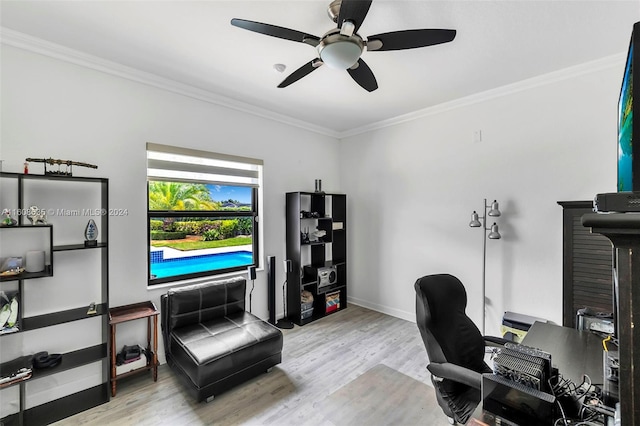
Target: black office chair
{"type": "Point", "coordinates": [454, 345]}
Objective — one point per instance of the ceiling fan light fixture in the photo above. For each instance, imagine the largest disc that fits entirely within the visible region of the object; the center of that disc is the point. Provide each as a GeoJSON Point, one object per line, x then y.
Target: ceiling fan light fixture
{"type": "Point", "coordinates": [341, 47]}
{"type": "Point", "coordinates": [340, 55]}
{"type": "Point", "coordinates": [339, 51]}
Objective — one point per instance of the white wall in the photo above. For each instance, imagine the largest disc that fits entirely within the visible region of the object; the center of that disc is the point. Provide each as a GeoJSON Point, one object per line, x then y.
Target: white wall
{"type": "Point", "coordinates": [52, 108]}
{"type": "Point", "coordinates": [412, 188]}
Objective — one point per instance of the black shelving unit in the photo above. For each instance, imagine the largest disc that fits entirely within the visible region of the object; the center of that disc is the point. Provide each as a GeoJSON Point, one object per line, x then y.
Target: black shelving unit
{"type": "Point", "coordinates": [68, 405]}
{"type": "Point", "coordinates": [310, 211]}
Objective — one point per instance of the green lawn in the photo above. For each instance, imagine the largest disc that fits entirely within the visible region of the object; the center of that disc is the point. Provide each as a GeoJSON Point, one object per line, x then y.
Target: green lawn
{"type": "Point", "coordinates": [197, 245]}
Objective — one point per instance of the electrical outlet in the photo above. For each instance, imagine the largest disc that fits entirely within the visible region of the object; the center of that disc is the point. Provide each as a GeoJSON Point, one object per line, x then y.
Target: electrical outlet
{"type": "Point", "coordinates": [477, 136]}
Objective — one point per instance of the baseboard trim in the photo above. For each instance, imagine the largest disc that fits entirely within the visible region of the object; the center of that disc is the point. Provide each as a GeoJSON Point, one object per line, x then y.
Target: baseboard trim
{"type": "Point", "coordinates": [398, 313]}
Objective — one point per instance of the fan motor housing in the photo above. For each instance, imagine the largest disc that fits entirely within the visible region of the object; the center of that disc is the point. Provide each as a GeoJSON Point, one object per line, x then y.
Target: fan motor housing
{"type": "Point", "coordinates": [334, 10]}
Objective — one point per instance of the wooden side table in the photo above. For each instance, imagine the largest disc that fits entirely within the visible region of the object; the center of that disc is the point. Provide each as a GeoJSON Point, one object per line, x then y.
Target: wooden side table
{"type": "Point", "coordinates": [131, 312]}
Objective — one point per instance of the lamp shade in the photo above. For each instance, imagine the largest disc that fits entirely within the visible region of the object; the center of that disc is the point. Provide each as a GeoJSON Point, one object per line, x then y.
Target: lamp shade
{"type": "Point", "coordinates": [494, 234]}
{"type": "Point", "coordinates": [495, 210]}
{"type": "Point", "coordinates": [340, 54]}
{"type": "Point", "coordinates": [475, 223]}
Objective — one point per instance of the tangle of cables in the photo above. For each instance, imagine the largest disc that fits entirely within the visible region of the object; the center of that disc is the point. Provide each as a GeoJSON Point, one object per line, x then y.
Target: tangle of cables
{"type": "Point", "coordinates": [579, 405]}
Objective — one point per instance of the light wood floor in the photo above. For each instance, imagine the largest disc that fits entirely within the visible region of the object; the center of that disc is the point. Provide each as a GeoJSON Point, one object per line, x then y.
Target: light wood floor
{"type": "Point", "coordinates": [317, 360]}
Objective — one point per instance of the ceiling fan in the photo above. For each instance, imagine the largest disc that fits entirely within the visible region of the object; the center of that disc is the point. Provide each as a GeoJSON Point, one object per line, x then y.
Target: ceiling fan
{"type": "Point", "coordinates": [342, 47]}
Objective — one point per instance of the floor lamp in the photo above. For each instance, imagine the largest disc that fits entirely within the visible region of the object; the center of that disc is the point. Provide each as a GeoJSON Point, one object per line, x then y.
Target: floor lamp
{"type": "Point", "coordinates": [491, 210]}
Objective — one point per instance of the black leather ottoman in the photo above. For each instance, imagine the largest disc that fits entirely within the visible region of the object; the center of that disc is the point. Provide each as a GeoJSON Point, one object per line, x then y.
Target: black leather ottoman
{"type": "Point", "coordinates": [211, 341]}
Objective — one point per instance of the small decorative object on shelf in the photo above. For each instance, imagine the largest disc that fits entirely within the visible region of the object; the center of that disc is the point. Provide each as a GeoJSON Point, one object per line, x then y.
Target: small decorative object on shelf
{"type": "Point", "coordinates": [50, 161]}
{"type": "Point", "coordinates": [92, 309]}
{"type": "Point", "coordinates": [91, 234]}
{"type": "Point", "coordinates": [10, 266]}
{"type": "Point", "coordinates": [34, 261]}
{"type": "Point", "coordinates": [318, 234]}
{"type": "Point", "coordinates": [26, 168]}
{"type": "Point", "coordinates": [36, 215]}
{"type": "Point", "coordinates": [8, 220]}
{"type": "Point", "coordinates": [11, 272]}
{"type": "Point", "coordinates": [309, 215]}
{"type": "Point", "coordinates": [304, 236]}
{"type": "Point", "coordinates": [318, 185]}
{"type": "Point", "coordinates": [42, 360]}
{"type": "Point", "coordinates": [8, 313]}
{"type": "Point", "coordinates": [15, 371]}
{"type": "Point", "coordinates": [332, 302]}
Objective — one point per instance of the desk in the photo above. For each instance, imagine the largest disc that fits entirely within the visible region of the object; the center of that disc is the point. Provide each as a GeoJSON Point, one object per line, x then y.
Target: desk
{"type": "Point", "coordinates": [573, 352]}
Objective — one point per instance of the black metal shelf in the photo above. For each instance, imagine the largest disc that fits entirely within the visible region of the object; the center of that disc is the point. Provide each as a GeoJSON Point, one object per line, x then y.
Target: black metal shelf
{"type": "Point", "coordinates": [36, 225]}
{"type": "Point", "coordinates": [61, 317]}
{"type": "Point", "coordinates": [314, 243]}
{"type": "Point", "coordinates": [69, 361]}
{"type": "Point", "coordinates": [328, 263]}
{"type": "Point", "coordinates": [58, 409]}
{"type": "Point", "coordinates": [66, 406]}
{"type": "Point", "coordinates": [318, 194]}
{"type": "Point", "coordinates": [74, 359]}
{"type": "Point", "coordinates": [69, 247]}
{"type": "Point", "coordinates": [35, 176]}
{"type": "Point", "coordinates": [48, 272]}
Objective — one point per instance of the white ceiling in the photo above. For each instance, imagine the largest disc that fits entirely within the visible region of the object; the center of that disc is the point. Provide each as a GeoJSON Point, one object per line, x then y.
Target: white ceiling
{"type": "Point", "coordinates": [192, 42]}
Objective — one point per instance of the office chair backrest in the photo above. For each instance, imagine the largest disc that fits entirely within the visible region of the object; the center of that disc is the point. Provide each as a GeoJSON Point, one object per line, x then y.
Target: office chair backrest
{"type": "Point", "coordinates": [448, 333]}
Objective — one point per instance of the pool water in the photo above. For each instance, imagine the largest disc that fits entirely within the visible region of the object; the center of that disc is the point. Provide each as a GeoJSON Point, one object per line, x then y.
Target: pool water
{"type": "Point", "coordinates": [201, 263]}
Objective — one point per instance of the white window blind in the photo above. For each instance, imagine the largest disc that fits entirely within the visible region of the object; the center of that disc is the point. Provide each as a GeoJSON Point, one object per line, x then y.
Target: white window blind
{"type": "Point", "coordinates": [176, 164]}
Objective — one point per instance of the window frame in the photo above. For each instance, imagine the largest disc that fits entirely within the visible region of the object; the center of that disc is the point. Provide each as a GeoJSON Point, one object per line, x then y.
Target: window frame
{"type": "Point", "coordinates": [254, 212]}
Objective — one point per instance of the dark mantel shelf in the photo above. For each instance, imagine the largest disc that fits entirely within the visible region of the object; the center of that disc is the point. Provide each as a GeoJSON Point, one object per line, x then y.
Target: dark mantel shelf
{"type": "Point", "coordinates": [613, 223]}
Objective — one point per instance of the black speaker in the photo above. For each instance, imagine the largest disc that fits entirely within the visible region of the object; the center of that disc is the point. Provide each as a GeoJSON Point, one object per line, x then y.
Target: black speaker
{"type": "Point", "coordinates": [284, 321]}
{"type": "Point", "coordinates": [252, 272]}
{"type": "Point", "coordinates": [271, 288]}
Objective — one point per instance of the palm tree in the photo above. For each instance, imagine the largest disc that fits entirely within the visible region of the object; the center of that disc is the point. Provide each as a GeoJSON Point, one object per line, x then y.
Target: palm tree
{"type": "Point", "coordinates": [180, 196]}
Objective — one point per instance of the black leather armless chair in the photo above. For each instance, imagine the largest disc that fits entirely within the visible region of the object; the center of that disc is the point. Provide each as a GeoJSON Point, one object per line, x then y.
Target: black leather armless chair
{"type": "Point", "coordinates": [454, 345]}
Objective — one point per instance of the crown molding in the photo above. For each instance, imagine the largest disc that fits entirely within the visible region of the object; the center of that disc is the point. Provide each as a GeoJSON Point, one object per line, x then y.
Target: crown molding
{"type": "Point", "coordinates": [36, 45]}
{"type": "Point", "coordinates": [33, 44]}
{"type": "Point", "coordinates": [613, 61]}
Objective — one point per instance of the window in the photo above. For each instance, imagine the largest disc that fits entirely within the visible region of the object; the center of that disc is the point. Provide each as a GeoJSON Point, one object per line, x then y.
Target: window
{"type": "Point", "coordinates": [202, 213]}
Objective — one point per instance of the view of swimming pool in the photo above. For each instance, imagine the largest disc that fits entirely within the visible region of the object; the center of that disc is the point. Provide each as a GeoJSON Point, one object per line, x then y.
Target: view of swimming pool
{"type": "Point", "coordinates": [201, 263]}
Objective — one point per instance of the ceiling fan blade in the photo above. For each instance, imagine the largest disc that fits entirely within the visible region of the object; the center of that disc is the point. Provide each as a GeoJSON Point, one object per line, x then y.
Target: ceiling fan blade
{"type": "Point", "coordinates": [363, 75]}
{"type": "Point", "coordinates": [304, 70]}
{"type": "Point", "coordinates": [409, 39]}
{"type": "Point", "coordinates": [275, 31]}
{"type": "Point", "coordinates": [353, 10]}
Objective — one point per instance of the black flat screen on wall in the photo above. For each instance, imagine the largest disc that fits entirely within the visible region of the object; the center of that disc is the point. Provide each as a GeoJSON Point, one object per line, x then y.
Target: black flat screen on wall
{"type": "Point", "coordinates": [628, 122]}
